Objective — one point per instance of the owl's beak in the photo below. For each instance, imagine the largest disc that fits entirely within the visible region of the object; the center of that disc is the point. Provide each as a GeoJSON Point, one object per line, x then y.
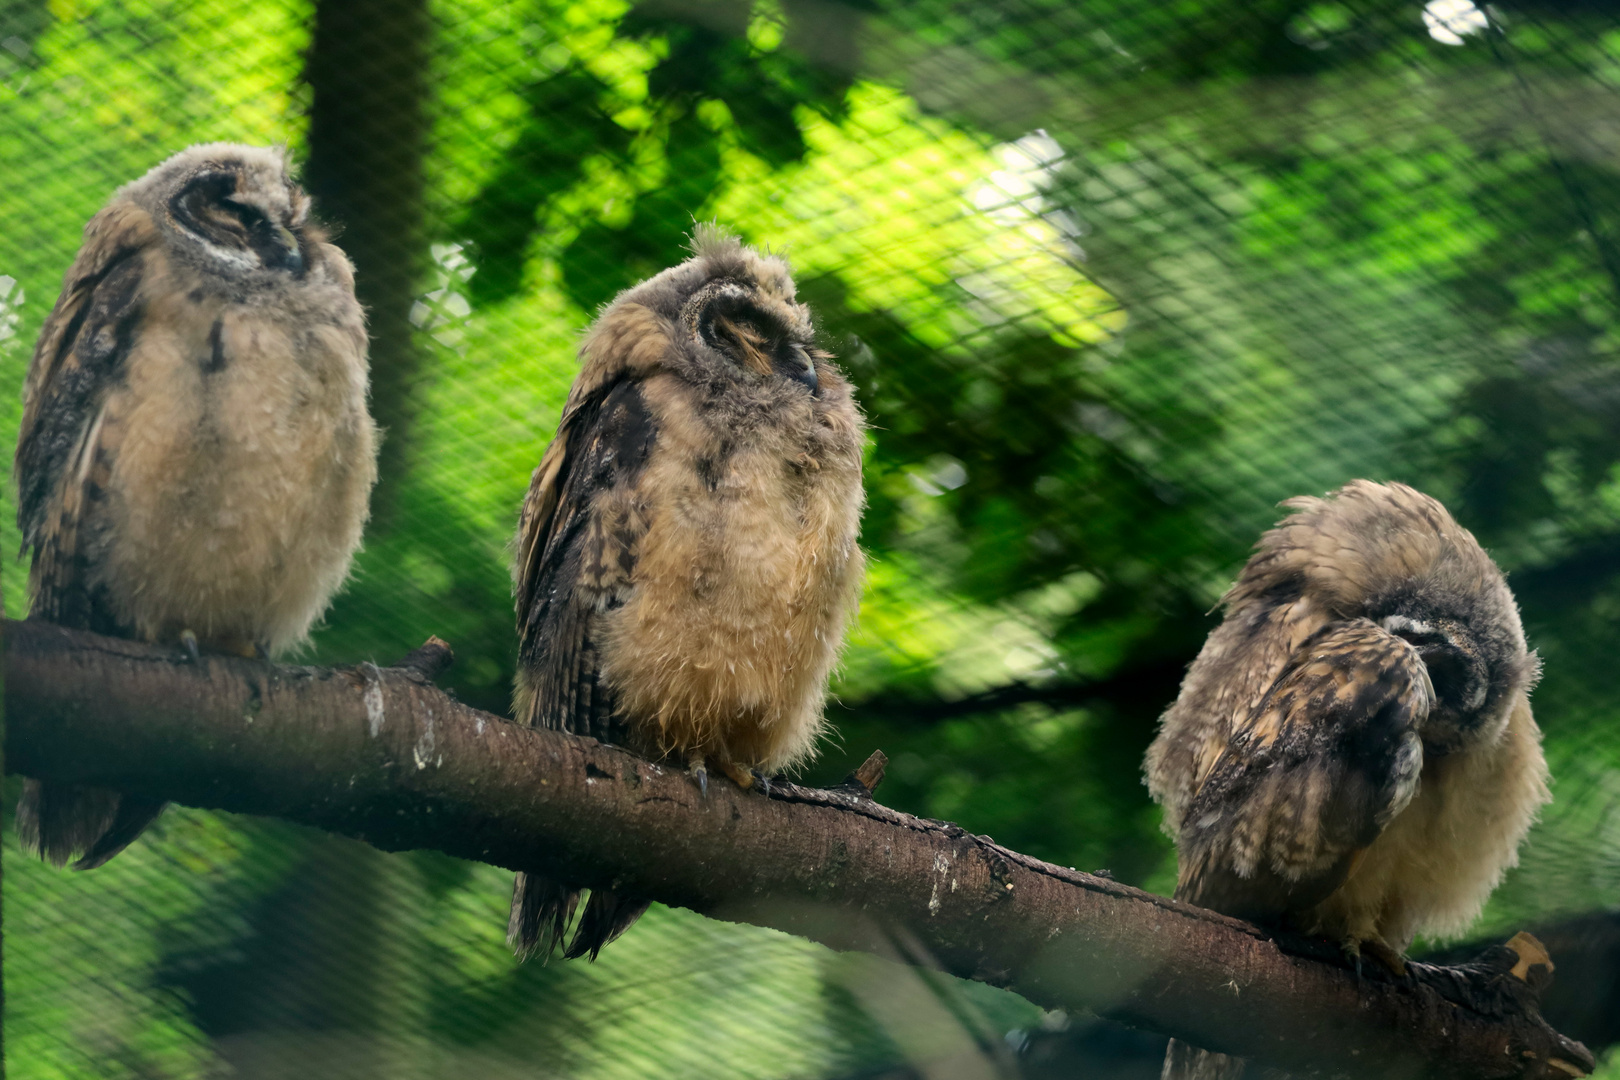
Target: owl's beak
{"type": "Point", "coordinates": [291, 255]}
{"type": "Point", "coordinates": [808, 377]}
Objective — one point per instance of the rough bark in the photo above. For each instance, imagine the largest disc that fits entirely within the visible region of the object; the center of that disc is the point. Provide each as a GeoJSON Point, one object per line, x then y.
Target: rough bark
{"type": "Point", "coordinates": [382, 755]}
{"type": "Point", "coordinates": [1583, 1003]}
{"type": "Point", "coordinates": [1584, 999]}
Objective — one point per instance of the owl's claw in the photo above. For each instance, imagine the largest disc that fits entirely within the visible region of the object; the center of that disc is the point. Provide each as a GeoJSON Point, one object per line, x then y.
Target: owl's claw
{"type": "Point", "coordinates": [743, 778]}
{"type": "Point", "coordinates": [1379, 950]}
{"type": "Point", "coordinates": [699, 774]}
{"type": "Point", "coordinates": [763, 782]}
{"type": "Point", "coordinates": [1388, 957]}
{"type": "Point", "coordinates": [189, 640]}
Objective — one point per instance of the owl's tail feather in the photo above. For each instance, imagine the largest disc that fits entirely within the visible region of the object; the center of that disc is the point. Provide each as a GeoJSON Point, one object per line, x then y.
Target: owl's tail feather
{"type": "Point", "coordinates": [134, 815]}
{"type": "Point", "coordinates": [607, 915]}
{"type": "Point", "coordinates": [1183, 1061]}
{"type": "Point", "coordinates": [58, 821]}
{"type": "Point", "coordinates": [541, 910]}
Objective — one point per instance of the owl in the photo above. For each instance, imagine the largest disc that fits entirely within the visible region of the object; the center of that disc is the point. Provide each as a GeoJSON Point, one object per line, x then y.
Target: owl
{"type": "Point", "coordinates": [1352, 754]}
{"type": "Point", "coordinates": [195, 459]}
{"type": "Point", "coordinates": [686, 561]}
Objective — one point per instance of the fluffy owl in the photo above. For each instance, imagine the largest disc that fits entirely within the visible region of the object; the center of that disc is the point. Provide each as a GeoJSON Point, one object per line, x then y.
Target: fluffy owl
{"type": "Point", "coordinates": [195, 458]}
{"type": "Point", "coordinates": [686, 559]}
{"type": "Point", "coordinates": [1352, 754]}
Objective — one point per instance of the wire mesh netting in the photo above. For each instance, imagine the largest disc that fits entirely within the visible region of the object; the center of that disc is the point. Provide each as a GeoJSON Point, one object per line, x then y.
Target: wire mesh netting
{"type": "Point", "coordinates": [1111, 280]}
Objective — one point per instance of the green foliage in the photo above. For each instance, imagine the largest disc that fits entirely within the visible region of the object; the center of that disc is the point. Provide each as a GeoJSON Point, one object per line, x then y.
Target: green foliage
{"type": "Point", "coordinates": [1112, 280]}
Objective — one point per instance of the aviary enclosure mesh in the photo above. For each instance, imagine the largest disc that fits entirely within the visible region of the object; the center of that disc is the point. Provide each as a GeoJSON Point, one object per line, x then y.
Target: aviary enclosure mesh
{"type": "Point", "coordinates": [1113, 278]}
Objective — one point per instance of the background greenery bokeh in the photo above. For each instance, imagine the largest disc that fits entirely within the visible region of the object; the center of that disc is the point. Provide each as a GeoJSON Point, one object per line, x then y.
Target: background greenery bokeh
{"type": "Point", "coordinates": [1112, 280]}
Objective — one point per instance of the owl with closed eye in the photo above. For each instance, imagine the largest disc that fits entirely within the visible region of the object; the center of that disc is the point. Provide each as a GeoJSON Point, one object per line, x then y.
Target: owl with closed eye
{"type": "Point", "coordinates": [686, 560]}
{"type": "Point", "coordinates": [196, 458]}
{"type": "Point", "coordinates": [1353, 753]}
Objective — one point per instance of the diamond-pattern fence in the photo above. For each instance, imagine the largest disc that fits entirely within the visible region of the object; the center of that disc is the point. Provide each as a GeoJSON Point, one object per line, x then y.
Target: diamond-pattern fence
{"type": "Point", "coordinates": [1112, 279]}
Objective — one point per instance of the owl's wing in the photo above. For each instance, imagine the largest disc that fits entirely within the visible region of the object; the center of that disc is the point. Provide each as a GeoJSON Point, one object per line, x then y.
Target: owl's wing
{"type": "Point", "coordinates": [576, 549]}
{"type": "Point", "coordinates": [61, 445]}
{"type": "Point", "coordinates": [1309, 777]}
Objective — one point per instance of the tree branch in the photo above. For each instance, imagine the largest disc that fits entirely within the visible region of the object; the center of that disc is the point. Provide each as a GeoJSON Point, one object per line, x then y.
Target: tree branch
{"type": "Point", "coordinates": [382, 755]}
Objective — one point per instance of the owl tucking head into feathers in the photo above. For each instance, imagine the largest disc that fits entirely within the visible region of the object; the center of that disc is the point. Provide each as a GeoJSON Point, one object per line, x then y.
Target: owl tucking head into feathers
{"type": "Point", "coordinates": [1396, 557]}
{"type": "Point", "coordinates": [1353, 751]}
{"type": "Point", "coordinates": [1353, 754]}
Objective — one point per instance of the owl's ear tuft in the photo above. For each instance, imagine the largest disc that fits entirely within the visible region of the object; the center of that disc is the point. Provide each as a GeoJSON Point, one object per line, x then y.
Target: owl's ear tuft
{"type": "Point", "coordinates": [710, 241]}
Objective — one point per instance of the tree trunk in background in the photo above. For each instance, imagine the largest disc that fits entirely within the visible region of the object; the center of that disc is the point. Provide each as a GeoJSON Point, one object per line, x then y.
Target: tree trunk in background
{"type": "Point", "coordinates": [368, 134]}
{"type": "Point", "coordinates": [318, 986]}
{"type": "Point", "coordinates": [322, 983]}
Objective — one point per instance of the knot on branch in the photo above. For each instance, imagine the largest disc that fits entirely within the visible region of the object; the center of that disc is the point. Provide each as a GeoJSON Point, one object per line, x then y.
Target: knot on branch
{"type": "Point", "coordinates": [1505, 982]}
{"type": "Point", "coordinates": [863, 782]}
{"type": "Point", "coordinates": [425, 663]}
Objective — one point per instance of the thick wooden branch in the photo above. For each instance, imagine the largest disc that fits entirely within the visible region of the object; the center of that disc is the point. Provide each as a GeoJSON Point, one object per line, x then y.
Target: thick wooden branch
{"type": "Point", "coordinates": [382, 755]}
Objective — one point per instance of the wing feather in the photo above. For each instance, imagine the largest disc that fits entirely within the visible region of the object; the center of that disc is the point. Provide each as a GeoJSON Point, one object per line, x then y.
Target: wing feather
{"type": "Point", "coordinates": [1310, 777]}
{"type": "Point", "coordinates": [63, 445]}
{"type": "Point", "coordinates": [581, 524]}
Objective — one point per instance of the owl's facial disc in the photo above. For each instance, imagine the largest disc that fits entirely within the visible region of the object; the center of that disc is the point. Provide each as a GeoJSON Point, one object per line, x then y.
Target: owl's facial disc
{"type": "Point", "coordinates": [726, 318]}
{"type": "Point", "coordinates": [1458, 671]}
{"type": "Point", "coordinates": [237, 227]}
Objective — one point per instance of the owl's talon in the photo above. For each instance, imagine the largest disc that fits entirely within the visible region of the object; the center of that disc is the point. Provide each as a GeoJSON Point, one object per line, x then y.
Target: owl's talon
{"type": "Point", "coordinates": [1378, 950]}
{"type": "Point", "coordinates": [701, 775]}
{"type": "Point", "coordinates": [743, 778]}
{"type": "Point", "coordinates": [763, 782]}
{"type": "Point", "coordinates": [189, 640]}
{"type": "Point", "coordinates": [1388, 957]}
{"type": "Point", "coordinates": [1351, 947]}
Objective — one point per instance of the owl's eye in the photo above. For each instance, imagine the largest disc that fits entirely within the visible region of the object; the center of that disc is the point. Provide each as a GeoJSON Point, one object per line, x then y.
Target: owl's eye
{"type": "Point", "coordinates": [234, 231]}
{"type": "Point", "coordinates": [732, 325]}
{"type": "Point", "coordinates": [737, 337]}
{"type": "Point", "coordinates": [727, 319]}
{"type": "Point", "coordinates": [196, 207]}
{"type": "Point", "coordinates": [250, 216]}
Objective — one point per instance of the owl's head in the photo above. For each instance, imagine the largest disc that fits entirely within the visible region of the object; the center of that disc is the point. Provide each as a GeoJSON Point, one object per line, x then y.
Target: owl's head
{"type": "Point", "coordinates": [1391, 554]}
{"type": "Point", "coordinates": [735, 318]}
{"type": "Point", "coordinates": [229, 210]}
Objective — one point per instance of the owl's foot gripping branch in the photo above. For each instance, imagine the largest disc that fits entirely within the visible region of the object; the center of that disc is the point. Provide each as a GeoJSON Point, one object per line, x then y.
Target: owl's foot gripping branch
{"type": "Point", "coordinates": [382, 755]}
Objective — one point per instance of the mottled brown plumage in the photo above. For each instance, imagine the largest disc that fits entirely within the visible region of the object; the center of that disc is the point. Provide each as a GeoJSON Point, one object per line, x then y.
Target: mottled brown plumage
{"type": "Point", "coordinates": [1353, 753]}
{"type": "Point", "coordinates": [195, 456]}
{"type": "Point", "coordinates": [687, 559]}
